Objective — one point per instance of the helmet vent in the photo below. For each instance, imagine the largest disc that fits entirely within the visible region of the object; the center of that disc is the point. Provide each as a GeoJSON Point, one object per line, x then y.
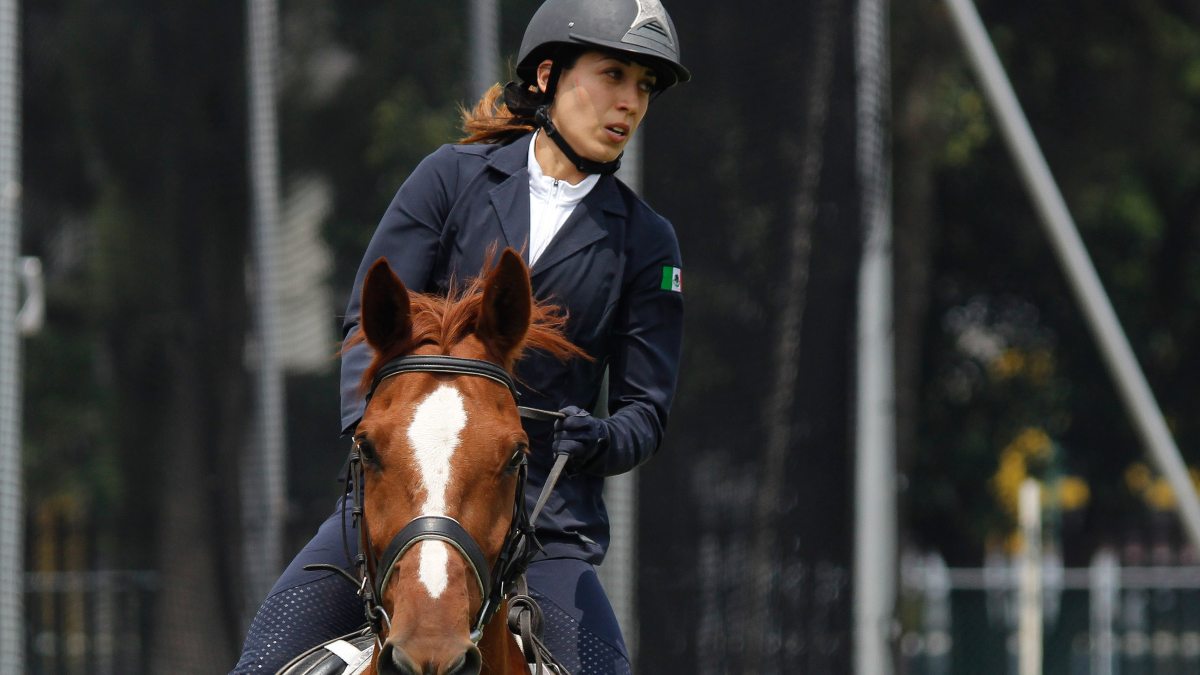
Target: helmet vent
{"type": "Point", "coordinates": [652, 33]}
{"type": "Point", "coordinates": [651, 18]}
{"type": "Point", "coordinates": [657, 28]}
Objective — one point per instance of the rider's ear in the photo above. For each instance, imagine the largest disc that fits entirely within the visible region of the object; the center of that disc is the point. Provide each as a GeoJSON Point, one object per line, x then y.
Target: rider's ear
{"type": "Point", "coordinates": [507, 306]}
{"type": "Point", "coordinates": [385, 309]}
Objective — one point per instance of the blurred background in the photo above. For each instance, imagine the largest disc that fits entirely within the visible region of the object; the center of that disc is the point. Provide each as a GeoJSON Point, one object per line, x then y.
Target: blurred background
{"type": "Point", "coordinates": [178, 438]}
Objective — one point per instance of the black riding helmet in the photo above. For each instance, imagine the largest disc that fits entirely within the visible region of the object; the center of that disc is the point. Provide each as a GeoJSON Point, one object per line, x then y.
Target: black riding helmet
{"type": "Point", "coordinates": [641, 29]}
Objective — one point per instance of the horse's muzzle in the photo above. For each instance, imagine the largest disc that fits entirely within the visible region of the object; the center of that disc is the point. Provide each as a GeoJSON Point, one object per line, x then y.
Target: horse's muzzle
{"type": "Point", "coordinates": [394, 661]}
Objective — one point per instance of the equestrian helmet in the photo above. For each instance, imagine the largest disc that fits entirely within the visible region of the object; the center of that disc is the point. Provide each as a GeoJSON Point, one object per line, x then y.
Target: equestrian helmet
{"type": "Point", "coordinates": [640, 28]}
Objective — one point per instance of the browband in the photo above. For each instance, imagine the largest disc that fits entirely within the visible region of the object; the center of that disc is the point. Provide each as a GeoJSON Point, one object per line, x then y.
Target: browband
{"type": "Point", "coordinates": [448, 365]}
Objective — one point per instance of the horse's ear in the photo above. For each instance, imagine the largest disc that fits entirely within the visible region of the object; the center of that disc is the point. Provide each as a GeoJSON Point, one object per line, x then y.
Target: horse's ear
{"type": "Point", "coordinates": [385, 308]}
{"type": "Point", "coordinates": [507, 306]}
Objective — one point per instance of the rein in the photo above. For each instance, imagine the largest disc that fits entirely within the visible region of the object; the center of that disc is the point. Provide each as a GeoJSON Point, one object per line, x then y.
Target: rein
{"type": "Point", "coordinates": [496, 583]}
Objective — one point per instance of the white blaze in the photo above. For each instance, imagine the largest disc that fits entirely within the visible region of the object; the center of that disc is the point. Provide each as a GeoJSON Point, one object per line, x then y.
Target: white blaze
{"type": "Point", "coordinates": [435, 555]}
{"type": "Point", "coordinates": [434, 436]}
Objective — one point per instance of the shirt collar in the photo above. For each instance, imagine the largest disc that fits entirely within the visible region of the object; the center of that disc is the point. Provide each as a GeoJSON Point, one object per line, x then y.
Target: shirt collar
{"type": "Point", "coordinates": [541, 185]}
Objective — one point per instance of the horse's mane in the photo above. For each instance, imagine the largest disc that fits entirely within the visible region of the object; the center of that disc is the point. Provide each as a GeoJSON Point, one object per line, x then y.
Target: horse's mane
{"type": "Point", "coordinates": [447, 320]}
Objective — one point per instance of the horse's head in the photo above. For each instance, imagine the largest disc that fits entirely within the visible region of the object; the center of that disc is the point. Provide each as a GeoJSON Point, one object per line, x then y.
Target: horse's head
{"type": "Point", "coordinates": [443, 449]}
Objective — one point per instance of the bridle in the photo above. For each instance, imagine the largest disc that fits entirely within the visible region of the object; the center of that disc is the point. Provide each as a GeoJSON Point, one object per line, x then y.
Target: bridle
{"type": "Point", "coordinates": [496, 582]}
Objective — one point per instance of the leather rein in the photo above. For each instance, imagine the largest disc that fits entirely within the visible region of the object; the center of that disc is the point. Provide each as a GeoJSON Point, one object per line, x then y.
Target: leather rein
{"type": "Point", "coordinates": [495, 583]}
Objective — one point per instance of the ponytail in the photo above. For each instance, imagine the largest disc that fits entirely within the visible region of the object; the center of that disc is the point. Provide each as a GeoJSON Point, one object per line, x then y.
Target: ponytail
{"type": "Point", "coordinates": [501, 115]}
{"type": "Point", "coordinates": [506, 113]}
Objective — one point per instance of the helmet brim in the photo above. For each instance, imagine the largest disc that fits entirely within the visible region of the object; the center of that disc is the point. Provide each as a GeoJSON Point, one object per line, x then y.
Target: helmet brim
{"type": "Point", "coordinates": [662, 64]}
{"type": "Point", "coordinates": [669, 73]}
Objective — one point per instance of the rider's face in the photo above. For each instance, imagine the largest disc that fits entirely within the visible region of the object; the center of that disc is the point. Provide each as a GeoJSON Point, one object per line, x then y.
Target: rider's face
{"type": "Point", "coordinates": [599, 102]}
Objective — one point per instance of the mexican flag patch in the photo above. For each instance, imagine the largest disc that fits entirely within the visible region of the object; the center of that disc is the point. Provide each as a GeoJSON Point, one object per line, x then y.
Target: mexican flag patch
{"type": "Point", "coordinates": [672, 279]}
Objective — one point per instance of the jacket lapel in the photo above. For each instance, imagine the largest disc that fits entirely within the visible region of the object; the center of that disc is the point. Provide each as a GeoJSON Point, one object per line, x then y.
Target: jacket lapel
{"type": "Point", "coordinates": [589, 222]}
{"type": "Point", "coordinates": [510, 198]}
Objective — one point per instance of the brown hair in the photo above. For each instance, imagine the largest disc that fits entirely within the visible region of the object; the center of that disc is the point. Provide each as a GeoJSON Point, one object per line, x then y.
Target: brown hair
{"type": "Point", "coordinates": [491, 121]}
{"type": "Point", "coordinates": [505, 113]}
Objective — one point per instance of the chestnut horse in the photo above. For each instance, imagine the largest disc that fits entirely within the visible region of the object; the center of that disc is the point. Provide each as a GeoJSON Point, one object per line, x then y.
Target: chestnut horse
{"type": "Point", "coordinates": [442, 458]}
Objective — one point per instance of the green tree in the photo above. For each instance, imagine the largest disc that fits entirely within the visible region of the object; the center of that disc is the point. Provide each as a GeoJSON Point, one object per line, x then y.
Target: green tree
{"type": "Point", "coordinates": [140, 161]}
{"type": "Point", "coordinates": [1112, 95]}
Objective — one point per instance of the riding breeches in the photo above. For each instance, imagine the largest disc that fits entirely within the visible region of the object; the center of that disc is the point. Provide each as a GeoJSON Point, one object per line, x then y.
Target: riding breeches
{"type": "Point", "coordinates": [306, 608]}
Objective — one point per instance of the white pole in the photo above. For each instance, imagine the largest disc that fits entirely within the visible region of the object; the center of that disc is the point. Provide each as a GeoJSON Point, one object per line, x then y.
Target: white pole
{"type": "Point", "coordinates": [485, 45]}
{"type": "Point", "coordinates": [875, 441]}
{"type": "Point", "coordinates": [264, 479]}
{"type": "Point", "coordinates": [619, 571]}
{"type": "Point", "coordinates": [938, 615]}
{"type": "Point", "coordinates": [12, 534]}
{"type": "Point", "coordinates": [1072, 255]}
{"type": "Point", "coordinates": [1104, 580]}
{"type": "Point", "coordinates": [1029, 629]}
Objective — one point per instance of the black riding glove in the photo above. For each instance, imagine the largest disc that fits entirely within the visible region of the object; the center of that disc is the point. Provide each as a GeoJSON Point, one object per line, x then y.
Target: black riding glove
{"type": "Point", "coordinates": [581, 436]}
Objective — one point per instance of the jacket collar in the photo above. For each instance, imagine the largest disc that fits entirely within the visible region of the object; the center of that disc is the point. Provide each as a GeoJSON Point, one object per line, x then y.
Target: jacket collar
{"type": "Point", "coordinates": [510, 198]}
{"type": "Point", "coordinates": [589, 222]}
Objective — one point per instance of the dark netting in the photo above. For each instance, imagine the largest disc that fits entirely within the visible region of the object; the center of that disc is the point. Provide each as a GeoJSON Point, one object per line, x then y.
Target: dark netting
{"type": "Point", "coordinates": [746, 522]}
{"type": "Point", "coordinates": [744, 544]}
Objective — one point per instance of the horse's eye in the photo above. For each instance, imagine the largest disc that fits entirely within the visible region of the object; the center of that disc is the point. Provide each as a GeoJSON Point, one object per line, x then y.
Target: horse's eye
{"type": "Point", "coordinates": [520, 451]}
{"type": "Point", "coordinates": [366, 449]}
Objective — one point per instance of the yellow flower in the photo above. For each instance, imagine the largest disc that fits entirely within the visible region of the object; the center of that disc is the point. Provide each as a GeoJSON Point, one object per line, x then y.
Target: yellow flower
{"type": "Point", "coordinates": [1008, 364]}
{"type": "Point", "coordinates": [1041, 366]}
{"type": "Point", "coordinates": [1033, 443]}
{"type": "Point", "coordinates": [1007, 481]}
{"type": "Point", "coordinates": [1160, 496]}
{"type": "Point", "coordinates": [1030, 445]}
{"type": "Point", "coordinates": [1073, 493]}
{"type": "Point", "coordinates": [1015, 542]}
{"type": "Point", "coordinates": [1138, 478]}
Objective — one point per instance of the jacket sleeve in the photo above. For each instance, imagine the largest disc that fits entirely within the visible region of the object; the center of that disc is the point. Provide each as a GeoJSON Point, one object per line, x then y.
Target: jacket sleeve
{"type": "Point", "coordinates": [409, 236]}
{"type": "Point", "coordinates": [644, 362]}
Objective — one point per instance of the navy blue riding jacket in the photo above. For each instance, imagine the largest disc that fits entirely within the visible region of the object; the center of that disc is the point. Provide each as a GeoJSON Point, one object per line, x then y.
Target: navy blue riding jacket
{"type": "Point", "coordinates": [611, 267]}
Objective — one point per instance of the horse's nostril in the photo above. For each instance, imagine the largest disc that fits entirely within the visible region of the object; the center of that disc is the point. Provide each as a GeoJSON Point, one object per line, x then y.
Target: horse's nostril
{"type": "Point", "coordinates": [468, 664]}
{"type": "Point", "coordinates": [395, 662]}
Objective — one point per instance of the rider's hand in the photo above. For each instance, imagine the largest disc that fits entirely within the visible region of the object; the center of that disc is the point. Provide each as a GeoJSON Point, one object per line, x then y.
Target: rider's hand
{"type": "Point", "coordinates": [581, 436]}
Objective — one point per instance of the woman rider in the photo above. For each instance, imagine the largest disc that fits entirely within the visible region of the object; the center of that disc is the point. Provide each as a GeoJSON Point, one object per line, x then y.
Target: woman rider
{"type": "Point", "coordinates": [535, 173]}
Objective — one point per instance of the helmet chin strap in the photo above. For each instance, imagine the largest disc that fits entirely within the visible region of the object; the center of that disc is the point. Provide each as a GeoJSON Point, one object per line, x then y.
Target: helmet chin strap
{"type": "Point", "coordinates": [542, 119]}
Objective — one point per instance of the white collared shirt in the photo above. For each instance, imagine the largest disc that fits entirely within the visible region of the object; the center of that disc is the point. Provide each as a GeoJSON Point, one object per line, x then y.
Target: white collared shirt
{"type": "Point", "coordinates": [551, 203]}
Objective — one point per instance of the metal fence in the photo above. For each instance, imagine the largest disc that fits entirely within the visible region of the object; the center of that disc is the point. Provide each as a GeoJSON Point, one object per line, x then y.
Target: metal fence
{"type": "Point", "coordinates": [88, 621]}
{"type": "Point", "coordinates": [1107, 618]}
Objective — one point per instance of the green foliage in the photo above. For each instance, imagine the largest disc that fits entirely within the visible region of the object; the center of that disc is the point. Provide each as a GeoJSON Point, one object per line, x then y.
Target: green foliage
{"type": "Point", "coordinates": [1110, 92]}
{"type": "Point", "coordinates": [966, 116]}
{"type": "Point", "coordinates": [135, 196]}
{"type": "Point", "coordinates": [370, 94]}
